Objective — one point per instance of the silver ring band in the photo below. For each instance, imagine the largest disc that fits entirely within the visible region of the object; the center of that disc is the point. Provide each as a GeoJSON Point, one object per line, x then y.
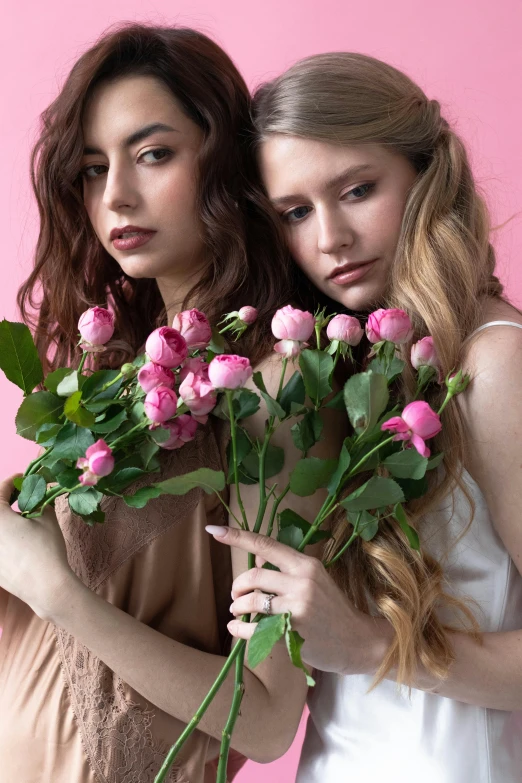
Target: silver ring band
{"type": "Point", "coordinates": [267, 603]}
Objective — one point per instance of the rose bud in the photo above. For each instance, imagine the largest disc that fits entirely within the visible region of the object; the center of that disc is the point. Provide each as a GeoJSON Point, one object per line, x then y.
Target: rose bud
{"type": "Point", "coordinates": [198, 394]}
{"type": "Point", "coordinates": [152, 375]}
{"type": "Point", "coordinates": [392, 325]}
{"type": "Point", "coordinates": [346, 329]}
{"type": "Point", "coordinates": [182, 430]}
{"type": "Point", "coordinates": [418, 423]}
{"type": "Point", "coordinates": [195, 364]}
{"type": "Point", "coordinates": [247, 314]}
{"type": "Point", "coordinates": [289, 348]}
{"type": "Point", "coordinates": [194, 327]}
{"type": "Point", "coordinates": [166, 346]}
{"type": "Point", "coordinates": [160, 404]}
{"type": "Point", "coordinates": [228, 371]}
{"type": "Point", "coordinates": [129, 371]}
{"type": "Point", "coordinates": [98, 462]}
{"type": "Point", "coordinates": [291, 324]}
{"type": "Point", "coordinates": [96, 327]}
{"type": "Point", "coordinates": [423, 354]}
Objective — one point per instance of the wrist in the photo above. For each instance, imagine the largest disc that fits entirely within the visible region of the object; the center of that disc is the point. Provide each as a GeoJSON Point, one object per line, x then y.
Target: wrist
{"type": "Point", "coordinates": [60, 602]}
{"type": "Point", "coordinates": [382, 635]}
{"type": "Point", "coordinates": [374, 636]}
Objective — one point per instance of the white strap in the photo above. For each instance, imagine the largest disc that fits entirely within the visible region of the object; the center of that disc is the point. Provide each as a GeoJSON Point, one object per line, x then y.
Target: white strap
{"type": "Point", "coordinates": [493, 323]}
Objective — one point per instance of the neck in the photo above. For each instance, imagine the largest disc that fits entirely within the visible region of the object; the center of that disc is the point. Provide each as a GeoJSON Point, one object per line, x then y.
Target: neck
{"type": "Point", "coordinates": [175, 289]}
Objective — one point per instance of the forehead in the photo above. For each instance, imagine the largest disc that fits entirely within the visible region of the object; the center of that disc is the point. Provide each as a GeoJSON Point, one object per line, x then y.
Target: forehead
{"type": "Point", "coordinates": [291, 164]}
{"type": "Point", "coordinates": [119, 107]}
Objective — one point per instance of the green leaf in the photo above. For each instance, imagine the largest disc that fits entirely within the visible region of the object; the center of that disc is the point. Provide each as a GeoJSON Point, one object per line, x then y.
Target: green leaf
{"type": "Point", "coordinates": [378, 366]}
{"type": "Point", "coordinates": [96, 518]}
{"type": "Point", "coordinates": [368, 525]}
{"type": "Point", "coordinates": [18, 481]}
{"type": "Point", "coordinates": [243, 448]}
{"type": "Point", "coordinates": [291, 536]}
{"type": "Point", "coordinates": [75, 413]}
{"type": "Point", "coordinates": [310, 474]}
{"type": "Point", "coordinates": [316, 367]}
{"type": "Point", "coordinates": [110, 425]}
{"type": "Point", "coordinates": [216, 345]}
{"type": "Point", "coordinates": [67, 478]}
{"type": "Point", "coordinates": [54, 378]}
{"type": "Point", "coordinates": [342, 466]}
{"type": "Point", "coordinates": [307, 432]}
{"type": "Point", "coordinates": [273, 407]}
{"type": "Point", "coordinates": [257, 377]}
{"type": "Point", "coordinates": [268, 632]}
{"type": "Point", "coordinates": [413, 489]}
{"type": "Point", "coordinates": [148, 449]}
{"type": "Point", "coordinates": [274, 462]}
{"type": "Point", "coordinates": [407, 463]}
{"type": "Point", "coordinates": [435, 461]}
{"type": "Point", "coordinates": [160, 435]}
{"type": "Point", "coordinates": [411, 533]}
{"type": "Point", "coordinates": [94, 383]}
{"type": "Point", "coordinates": [18, 356]}
{"type": "Point", "coordinates": [85, 503]}
{"type": "Point", "coordinates": [119, 479]}
{"type": "Point", "coordinates": [245, 403]}
{"type": "Point", "coordinates": [37, 409]}
{"type": "Point", "coordinates": [209, 480]}
{"type": "Point", "coordinates": [366, 397]}
{"type": "Point", "coordinates": [294, 642]}
{"type": "Point", "coordinates": [375, 493]}
{"type": "Point", "coordinates": [290, 519]}
{"type": "Point", "coordinates": [142, 496]}
{"type": "Point", "coordinates": [293, 392]}
{"type": "Point", "coordinates": [337, 402]}
{"type": "Point", "coordinates": [32, 493]}
{"type": "Point", "coordinates": [47, 433]}
{"type": "Point", "coordinates": [72, 442]}
{"type": "Point", "coordinates": [68, 384]}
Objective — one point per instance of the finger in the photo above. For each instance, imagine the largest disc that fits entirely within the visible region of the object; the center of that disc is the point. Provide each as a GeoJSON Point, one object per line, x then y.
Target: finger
{"type": "Point", "coordinates": [241, 630]}
{"type": "Point", "coordinates": [6, 488]}
{"type": "Point", "coordinates": [262, 579]}
{"type": "Point", "coordinates": [280, 555]}
{"type": "Point", "coordinates": [254, 603]}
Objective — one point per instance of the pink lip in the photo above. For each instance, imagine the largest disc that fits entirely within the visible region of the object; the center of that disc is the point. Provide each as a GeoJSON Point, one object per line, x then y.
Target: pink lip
{"type": "Point", "coordinates": [349, 274]}
{"type": "Point", "coordinates": [130, 243]}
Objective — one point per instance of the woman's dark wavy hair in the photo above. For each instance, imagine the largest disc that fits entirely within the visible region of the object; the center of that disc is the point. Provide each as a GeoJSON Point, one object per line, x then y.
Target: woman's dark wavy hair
{"type": "Point", "coordinates": [72, 270]}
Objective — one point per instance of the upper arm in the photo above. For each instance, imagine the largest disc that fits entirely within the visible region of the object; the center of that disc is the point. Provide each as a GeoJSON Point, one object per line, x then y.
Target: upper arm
{"type": "Point", "coordinates": [492, 410]}
{"type": "Point", "coordinates": [279, 676]}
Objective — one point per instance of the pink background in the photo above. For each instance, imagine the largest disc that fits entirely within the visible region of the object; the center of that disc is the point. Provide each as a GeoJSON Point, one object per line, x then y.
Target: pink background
{"type": "Point", "coordinates": [468, 55]}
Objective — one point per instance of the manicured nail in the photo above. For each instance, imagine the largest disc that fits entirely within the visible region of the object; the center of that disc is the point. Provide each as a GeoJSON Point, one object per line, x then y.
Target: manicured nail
{"type": "Point", "coordinates": [216, 530]}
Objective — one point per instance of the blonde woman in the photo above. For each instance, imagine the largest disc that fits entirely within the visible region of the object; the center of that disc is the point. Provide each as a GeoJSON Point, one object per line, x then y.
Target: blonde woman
{"type": "Point", "coordinates": [379, 207]}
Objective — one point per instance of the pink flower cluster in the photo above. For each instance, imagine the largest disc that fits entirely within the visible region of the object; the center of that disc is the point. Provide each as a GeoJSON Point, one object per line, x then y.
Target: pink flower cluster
{"type": "Point", "coordinates": [98, 462]}
{"type": "Point", "coordinates": [292, 328]}
{"type": "Point", "coordinates": [417, 424]}
{"type": "Point", "coordinates": [96, 327]}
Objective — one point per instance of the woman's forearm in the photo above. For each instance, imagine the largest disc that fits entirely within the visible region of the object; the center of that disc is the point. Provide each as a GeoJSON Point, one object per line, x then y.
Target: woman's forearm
{"type": "Point", "coordinates": [175, 677]}
{"type": "Point", "coordinates": [487, 674]}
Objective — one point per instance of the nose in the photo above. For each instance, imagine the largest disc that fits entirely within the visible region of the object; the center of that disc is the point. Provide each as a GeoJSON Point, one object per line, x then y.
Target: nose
{"type": "Point", "coordinates": [120, 191]}
{"type": "Point", "coordinates": [333, 231]}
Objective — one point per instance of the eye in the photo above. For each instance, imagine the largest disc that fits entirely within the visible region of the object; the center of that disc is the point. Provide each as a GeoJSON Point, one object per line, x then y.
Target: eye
{"type": "Point", "coordinates": [360, 191]}
{"type": "Point", "coordinates": [91, 172]}
{"type": "Point", "coordinates": [296, 214]}
{"type": "Point", "coordinates": [157, 155]}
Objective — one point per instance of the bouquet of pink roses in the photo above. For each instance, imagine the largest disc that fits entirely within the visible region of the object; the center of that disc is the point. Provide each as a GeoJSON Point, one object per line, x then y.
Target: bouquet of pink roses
{"type": "Point", "coordinates": [101, 430]}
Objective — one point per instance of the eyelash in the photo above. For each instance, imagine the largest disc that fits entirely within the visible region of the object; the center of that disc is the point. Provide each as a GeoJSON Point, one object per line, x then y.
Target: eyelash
{"type": "Point", "coordinates": [85, 175]}
{"type": "Point", "coordinates": [287, 216]}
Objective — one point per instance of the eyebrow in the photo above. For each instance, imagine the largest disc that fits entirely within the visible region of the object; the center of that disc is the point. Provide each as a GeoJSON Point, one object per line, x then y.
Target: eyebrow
{"type": "Point", "coordinates": [136, 137]}
{"type": "Point", "coordinates": [348, 173]}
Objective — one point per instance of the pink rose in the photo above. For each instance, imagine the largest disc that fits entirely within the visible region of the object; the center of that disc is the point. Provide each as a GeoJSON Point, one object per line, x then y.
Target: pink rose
{"type": "Point", "coordinates": [392, 325]}
{"type": "Point", "coordinates": [417, 424]}
{"type": "Point", "coordinates": [247, 314]}
{"type": "Point", "coordinates": [160, 404]}
{"type": "Point", "coordinates": [152, 375]}
{"type": "Point", "coordinates": [98, 462]}
{"type": "Point", "coordinates": [346, 329]}
{"type": "Point", "coordinates": [423, 354]}
{"type": "Point", "coordinates": [194, 327]}
{"type": "Point", "coordinates": [166, 346]}
{"type": "Point", "coordinates": [229, 372]}
{"type": "Point", "coordinates": [291, 324]}
{"type": "Point", "coordinates": [96, 326]}
{"type": "Point", "coordinates": [182, 430]}
{"type": "Point", "coordinates": [289, 348]}
{"type": "Point", "coordinates": [198, 394]}
{"type": "Point", "coordinates": [195, 364]}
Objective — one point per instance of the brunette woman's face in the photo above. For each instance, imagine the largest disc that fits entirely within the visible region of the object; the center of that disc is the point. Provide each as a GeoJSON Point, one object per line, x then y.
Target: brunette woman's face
{"type": "Point", "coordinates": [140, 180]}
{"type": "Point", "coordinates": [342, 210]}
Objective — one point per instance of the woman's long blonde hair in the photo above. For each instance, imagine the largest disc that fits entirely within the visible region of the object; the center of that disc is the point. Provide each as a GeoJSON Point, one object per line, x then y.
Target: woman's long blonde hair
{"type": "Point", "coordinates": [444, 267]}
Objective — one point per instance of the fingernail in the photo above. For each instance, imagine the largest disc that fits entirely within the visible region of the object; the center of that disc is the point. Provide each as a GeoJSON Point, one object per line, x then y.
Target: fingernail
{"type": "Point", "coordinates": [216, 530]}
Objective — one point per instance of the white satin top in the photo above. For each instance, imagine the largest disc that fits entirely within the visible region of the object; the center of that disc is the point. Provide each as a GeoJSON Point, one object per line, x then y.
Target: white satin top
{"type": "Point", "coordinates": [386, 737]}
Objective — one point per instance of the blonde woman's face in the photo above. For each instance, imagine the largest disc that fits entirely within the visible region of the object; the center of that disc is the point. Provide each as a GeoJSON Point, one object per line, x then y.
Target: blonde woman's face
{"type": "Point", "coordinates": [341, 209]}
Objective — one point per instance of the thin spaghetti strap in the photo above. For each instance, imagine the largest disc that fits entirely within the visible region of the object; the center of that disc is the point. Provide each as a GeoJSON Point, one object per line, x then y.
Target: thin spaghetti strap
{"type": "Point", "coordinates": [492, 323]}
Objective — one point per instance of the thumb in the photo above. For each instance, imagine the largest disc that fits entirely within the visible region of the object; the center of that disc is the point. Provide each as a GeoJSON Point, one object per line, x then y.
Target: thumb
{"type": "Point", "coordinates": [7, 487]}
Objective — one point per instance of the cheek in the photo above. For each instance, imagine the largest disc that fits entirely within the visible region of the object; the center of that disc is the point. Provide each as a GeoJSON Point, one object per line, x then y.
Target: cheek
{"type": "Point", "coordinates": [175, 195]}
{"type": "Point", "coordinates": [301, 243]}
